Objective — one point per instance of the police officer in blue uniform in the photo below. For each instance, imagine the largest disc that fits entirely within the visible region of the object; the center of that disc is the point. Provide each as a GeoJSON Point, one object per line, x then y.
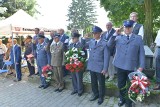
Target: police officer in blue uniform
{"type": "Point", "coordinates": [77, 77]}
{"type": "Point", "coordinates": [43, 58]}
{"type": "Point", "coordinates": [98, 63]}
{"type": "Point", "coordinates": [130, 55]}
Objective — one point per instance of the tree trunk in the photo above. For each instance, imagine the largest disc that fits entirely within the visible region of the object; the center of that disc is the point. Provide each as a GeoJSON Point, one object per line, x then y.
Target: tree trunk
{"type": "Point", "coordinates": [148, 26]}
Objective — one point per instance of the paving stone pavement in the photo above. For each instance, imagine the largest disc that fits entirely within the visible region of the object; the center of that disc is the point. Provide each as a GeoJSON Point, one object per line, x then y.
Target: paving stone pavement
{"type": "Point", "coordinates": [26, 94]}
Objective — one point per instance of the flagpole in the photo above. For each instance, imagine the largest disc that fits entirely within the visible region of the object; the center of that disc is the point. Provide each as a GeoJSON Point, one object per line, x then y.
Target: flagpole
{"type": "Point", "coordinates": [13, 50]}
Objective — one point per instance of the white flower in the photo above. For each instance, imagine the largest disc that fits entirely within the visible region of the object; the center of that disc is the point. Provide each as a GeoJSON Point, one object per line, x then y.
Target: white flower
{"type": "Point", "coordinates": [67, 53]}
{"type": "Point", "coordinates": [82, 53]}
{"type": "Point", "coordinates": [75, 56]}
{"type": "Point", "coordinates": [148, 93]}
{"type": "Point", "coordinates": [74, 49]}
{"type": "Point", "coordinates": [49, 73]}
{"type": "Point", "coordinates": [140, 97]}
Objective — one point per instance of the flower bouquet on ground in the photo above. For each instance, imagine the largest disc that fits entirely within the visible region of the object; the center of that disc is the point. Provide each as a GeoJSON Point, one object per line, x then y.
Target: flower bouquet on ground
{"type": "Point", "coordinates": [75, 59]}
{"type": "Point", "coordinates": [30, 59]}
{"type": "Point", "coordinates": [139, 88]}
{"type": "Point", "coordinates": [47, 72]}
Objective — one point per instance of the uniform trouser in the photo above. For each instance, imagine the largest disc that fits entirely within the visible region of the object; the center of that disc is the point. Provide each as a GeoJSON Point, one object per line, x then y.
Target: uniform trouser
{"type": "Point", "coordinates": [157, 59]}
{"type": "Point", "coordinates": [77, 81]}
{"type": "Point", "coordinates": [18, 71]}
{"type": "Point", "coordinates": [1, 61]}
{"type": "Point", "coordinates": [98, 84]}
{"type": "Point", "coordinates": [31, 68]}
{"type": "Point", "coordinates": [122, 82]}
{"type": "Point", "coordinates": [58, 76]}
{"type": "Point", "coordinates": [111, 68]}
{"type": "Point", "coordinates": [43, 80]}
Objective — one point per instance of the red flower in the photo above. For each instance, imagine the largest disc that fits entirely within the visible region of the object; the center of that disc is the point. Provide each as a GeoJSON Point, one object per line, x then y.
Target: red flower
{"type": "Point", "coordinates": [74, 66]}
{"type": "Point", "coordinates": [137, 91]}
{"type": "Point", "coordinates": [68, 66]}
{"type": "Point", "coordinates": [80, 65]}
{"type": "Point", "coordinates": [72, 70]}
{"type": "Point", "coordinates": [45, 70]}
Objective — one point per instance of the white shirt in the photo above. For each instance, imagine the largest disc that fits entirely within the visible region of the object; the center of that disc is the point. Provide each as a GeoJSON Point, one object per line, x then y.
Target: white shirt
{"type": "Point", "coordinates": [129, 35]}
{"type": "Point", "coordinates": [108, 32]}
{"type": "Point", "coordinates": [41, 44]}
{"type": "Point", "coordinates": [14, 45]}
{"type": "Point", "coordinates": [53, 42]}
{"type": "Point", "coordinates": [157, 40]}
{"type": "Point", "coordinates": [3, 49]}
{"type": "Point", "coordinates": [141, 30]}
{"type": "Point", "coordinates": [97, 40]}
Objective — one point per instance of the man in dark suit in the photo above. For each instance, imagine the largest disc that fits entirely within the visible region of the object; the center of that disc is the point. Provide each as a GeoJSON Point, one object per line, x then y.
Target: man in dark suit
{"type": "Point", "coordinates": [98, 63]}
{"type": "Point", "coordinates": [15, 57]}
{"type": "Point", "coordinates": [106, 36]}
{"type": "Point", "coordinates": [129, 56]}
{"type": "Point", "coordinates": [29, 51]}
{"type": "Point", "coordinates": [137, 28]}
{"type": "Point", "coordinates": [65, 40]}
{"type": "Point", "coordinates": [109, 33]}
{"type": "Point", "coordinates": [52, 34]}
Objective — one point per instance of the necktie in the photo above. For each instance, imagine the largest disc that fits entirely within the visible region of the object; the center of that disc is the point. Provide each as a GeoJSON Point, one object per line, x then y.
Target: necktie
{"type": "Point", "coordinates": [74, 45]}
{"type": "Point", "coordinates": [95, 43]}
{"type": "Point", "coordinates": [108, 32]}
{"type": "Point", "coordinates": [56, 44]}
{"type": "Point", "coordinates": [127, 37]}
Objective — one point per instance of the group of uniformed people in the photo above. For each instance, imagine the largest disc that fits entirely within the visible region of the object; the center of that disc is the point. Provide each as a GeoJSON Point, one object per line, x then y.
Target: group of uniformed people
{"type": "Point", "coordinates": [124, 50]}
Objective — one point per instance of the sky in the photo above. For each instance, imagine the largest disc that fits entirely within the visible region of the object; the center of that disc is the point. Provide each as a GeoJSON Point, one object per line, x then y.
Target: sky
{"type": "Point", "coordinates": [53, 13]}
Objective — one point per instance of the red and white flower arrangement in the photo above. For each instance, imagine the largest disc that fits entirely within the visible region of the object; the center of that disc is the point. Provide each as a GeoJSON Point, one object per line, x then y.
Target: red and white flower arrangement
{"type": "Point", "coordinates": [75, 59]}
{"type": "Point", "coordinates": [30, 59]}
{"type": "Point", "coordinates": [139, 88]}
{"type": "Point", "coordinates": [47, 72]}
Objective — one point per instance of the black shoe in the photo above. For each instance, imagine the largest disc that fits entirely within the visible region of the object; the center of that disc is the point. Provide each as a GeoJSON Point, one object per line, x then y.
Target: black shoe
{"type": "Point", "coordinates": [157, 87]}
{"type": "Point", "coordinates": [60, 90]}
{"type": "Point", "coordinates": [10, 73]}
{"type": "Point", "coordinates": [74, 92]}
{"type": "Point", "coordinates": [30, 75]}
{"type": "Point", "coordinates": [121, 103]}
{"type": "Point", "coordinates": [37, 73]}
{"type": "Point", "coordinates": [17, 80]}
{"type": "Point", "coordinates": [56, 90]}
{"type": "Point", "coordinates": [93, 98]}
{"type": "Point", "coordinates": [45, 86]}
{"type": "Point", "coordinates": [41, 86]}
{"type": "Point", "coordinates": [80, 94]}
{"type": "Point", "coordinates": [100, 101]}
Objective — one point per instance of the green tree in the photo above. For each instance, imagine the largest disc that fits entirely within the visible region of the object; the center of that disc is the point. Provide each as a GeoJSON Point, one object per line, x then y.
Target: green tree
{"type": "Point", "coordinates": [14, 5]}
{"type": "Point", "coordinates": [81, 14]}
{"type": "Point", "coordinates": [148, 13]}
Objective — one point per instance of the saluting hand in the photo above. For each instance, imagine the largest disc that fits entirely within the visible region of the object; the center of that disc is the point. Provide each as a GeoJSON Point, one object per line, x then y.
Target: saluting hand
{"type": "Point", "coordinates": [118, 30]}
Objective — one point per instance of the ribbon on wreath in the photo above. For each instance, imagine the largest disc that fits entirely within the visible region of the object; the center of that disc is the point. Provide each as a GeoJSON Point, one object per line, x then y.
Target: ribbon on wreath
{"type": "Point", "coordinates": [138, 82]}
